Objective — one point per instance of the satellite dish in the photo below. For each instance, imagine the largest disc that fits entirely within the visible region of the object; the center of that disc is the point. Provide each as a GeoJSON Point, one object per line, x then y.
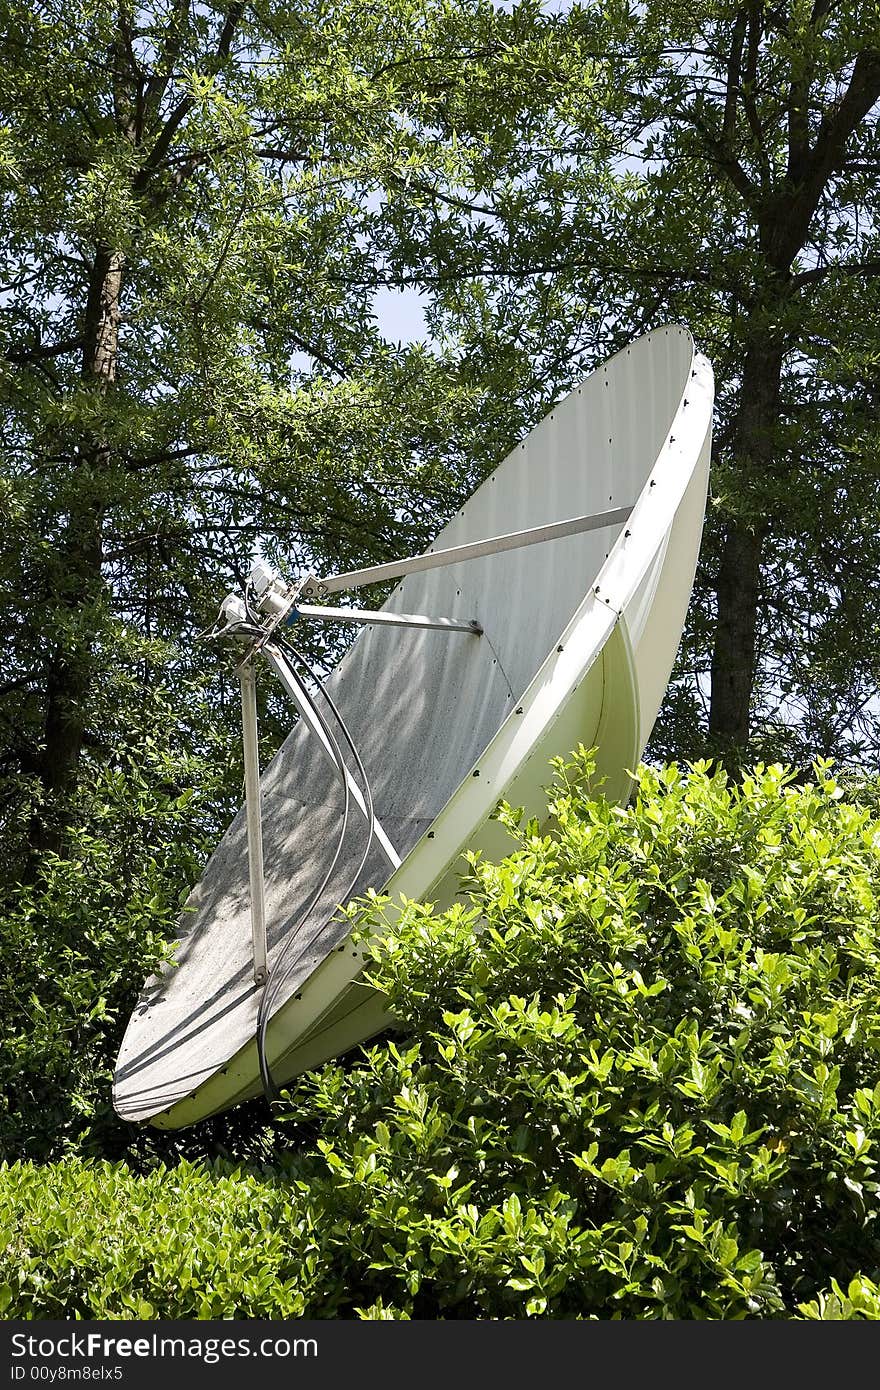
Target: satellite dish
{"type": "Point", "coordinates": [547, 613]}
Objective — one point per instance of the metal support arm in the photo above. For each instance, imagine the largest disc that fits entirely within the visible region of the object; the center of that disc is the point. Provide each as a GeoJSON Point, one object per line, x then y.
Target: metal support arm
{"type": "Point", "coordinates": [276, 600]}
{"type": "Point", "coordinates": [385, 619]}
{"type": "Point", "coordinates": [512, 540]}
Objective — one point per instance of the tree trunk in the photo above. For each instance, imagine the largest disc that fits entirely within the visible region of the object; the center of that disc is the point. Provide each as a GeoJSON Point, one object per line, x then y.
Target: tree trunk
{"type": "Point", "coordinates": [733, 656]}
{"type": "Point", "coordinates": [738, 583]}
{"type": "Point", "coordinates": [77, 584]}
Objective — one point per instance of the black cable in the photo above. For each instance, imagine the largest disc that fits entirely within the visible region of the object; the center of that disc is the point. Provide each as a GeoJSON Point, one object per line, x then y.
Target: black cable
{"type": "Point", "coordinates": [249, 608]}
{"type": "Point", "coordinates": [369, 807]}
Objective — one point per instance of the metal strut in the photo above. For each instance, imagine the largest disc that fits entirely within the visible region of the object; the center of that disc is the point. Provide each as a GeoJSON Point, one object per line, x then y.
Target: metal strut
{"type": "Point", "coordinates": [493, 545]}
{"type": "Point", "coordinates": [382, 618]}
{"type": "Point", "coordinates": [283, 967]}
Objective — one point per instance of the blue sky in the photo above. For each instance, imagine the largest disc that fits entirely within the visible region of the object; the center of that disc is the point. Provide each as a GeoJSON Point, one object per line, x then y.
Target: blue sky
{"type": "Point", "coordinates": [401, 315]}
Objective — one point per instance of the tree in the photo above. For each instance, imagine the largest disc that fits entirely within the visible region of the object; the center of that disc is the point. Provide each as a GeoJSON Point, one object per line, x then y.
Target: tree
{"type": "Point", "coordinates": [755, 131]}
{"type": "Point", "coordinates": [775, 108]}
{"type": "Point", "coordinates": [196, 210]}
{"type": "Point", "coordinates": [732, 184]}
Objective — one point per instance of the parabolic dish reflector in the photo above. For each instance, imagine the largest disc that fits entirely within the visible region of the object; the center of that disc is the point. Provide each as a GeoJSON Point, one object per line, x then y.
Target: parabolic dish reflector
{"type": "Point", "coordinates": [578, 639]}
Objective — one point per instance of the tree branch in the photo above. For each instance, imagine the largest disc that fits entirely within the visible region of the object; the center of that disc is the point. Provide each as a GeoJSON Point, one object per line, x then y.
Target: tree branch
{"type": "Point", "coordinates": [724, 157]}
{"type": "Point", "coordinates": [184, 106]}
{"type": "Point", "coordinates": [822, 272]}
{"type": "Point", "coordinates": [38, 353]}
{"type": "Point", "coordinates": [827, 154]}
{"type": "Point", "coordinates": [302, 346]}
{"type": "Point", "coordinates": [734, 67]}
{"type": "Point", "coordinates": [157, 86]}
{"type": "Point", "coordinates": [748, 89]}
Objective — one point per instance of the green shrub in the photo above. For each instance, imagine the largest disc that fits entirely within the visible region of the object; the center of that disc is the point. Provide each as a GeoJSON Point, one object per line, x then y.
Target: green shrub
{"type": "Point", "coordinates": [81, 929]}
{"type": "Point", "coordinates": [861, 1301]}
{"type": "Point", "coordinates": [77, 943]}
{"type": "Point", "coordinates": [641, 1079]}
{"type": "Point", "coordinates": [661, 1045]}
{"type": "Point", "coordinates": [91, 1239]}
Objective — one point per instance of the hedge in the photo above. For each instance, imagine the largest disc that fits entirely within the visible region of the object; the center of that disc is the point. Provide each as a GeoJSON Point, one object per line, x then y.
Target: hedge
{"type": "Point", "coordinates": [639, 1077]}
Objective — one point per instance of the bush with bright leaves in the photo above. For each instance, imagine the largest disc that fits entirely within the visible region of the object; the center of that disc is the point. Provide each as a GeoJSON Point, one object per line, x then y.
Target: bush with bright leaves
{"type": "Point", "coordinates": [638, 1076]}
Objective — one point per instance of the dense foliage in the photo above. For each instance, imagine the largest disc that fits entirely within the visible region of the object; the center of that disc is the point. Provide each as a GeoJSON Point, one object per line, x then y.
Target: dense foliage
{"type": "Point", "coordinates": [639, 1077]}
{"type": "Point", "coordinates": [78, 941]}
{"type": "Point", "coordinates": [205, 211]}
{"type": "Point", "coordinates": [640, 1074]}
{"type": "Point", "coordinates": [201, 215]}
